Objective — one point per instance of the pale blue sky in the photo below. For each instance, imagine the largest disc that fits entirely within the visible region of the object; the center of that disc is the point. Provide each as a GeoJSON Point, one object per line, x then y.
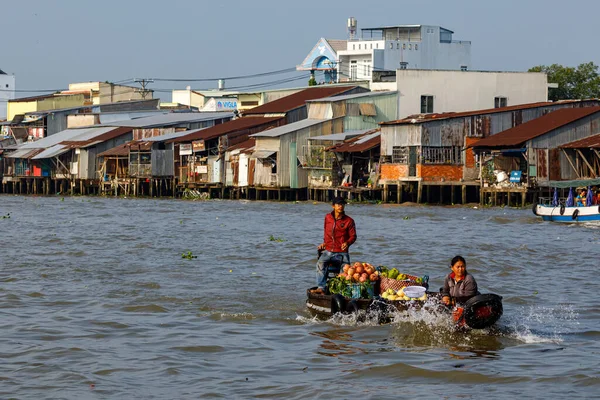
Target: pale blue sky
{"type": "Point", "coordinates": [49, 43]}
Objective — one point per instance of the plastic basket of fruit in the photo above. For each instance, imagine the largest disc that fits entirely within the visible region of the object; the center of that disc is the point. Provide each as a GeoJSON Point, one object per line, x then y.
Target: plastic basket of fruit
{"type": "Point", "coordinates": [393, 279]}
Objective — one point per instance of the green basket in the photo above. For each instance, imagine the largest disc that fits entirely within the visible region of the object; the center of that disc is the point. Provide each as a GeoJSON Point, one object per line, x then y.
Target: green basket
{"type": "Point", "coordinates": [362, 290]}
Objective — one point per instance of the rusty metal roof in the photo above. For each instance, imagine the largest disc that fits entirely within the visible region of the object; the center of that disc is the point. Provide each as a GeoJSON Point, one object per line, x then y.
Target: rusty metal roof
{"type": "Point", "coordinates": [123, 149]}
{"type": "Point", "coordinates": [246, 144]}
{"type": "Point", "coordinates": [359, 144]}
{"type": "Point", "coordinates": [592, 142]}
{"type": "Point", "coordinates": [24, 153]}
{"type": "Point", "coordinates": [225, 128]}
{"type": "Point", "coordinates": [520, 134]}
{"type": "Point", "coordinates": [296, 100]}
{"type": "Point", "coordinates": [74, 144]}
{"type": "Point", "coordinates": [422, 118]}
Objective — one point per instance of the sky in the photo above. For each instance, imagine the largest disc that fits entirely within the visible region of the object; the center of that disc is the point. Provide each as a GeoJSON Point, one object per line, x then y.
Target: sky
{"type": "Point", "coordinates": [51, 43]}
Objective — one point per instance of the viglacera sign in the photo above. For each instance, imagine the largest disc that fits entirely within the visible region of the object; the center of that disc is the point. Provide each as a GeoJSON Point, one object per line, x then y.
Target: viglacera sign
{"type": "Point", "coordinates": [226, 105]}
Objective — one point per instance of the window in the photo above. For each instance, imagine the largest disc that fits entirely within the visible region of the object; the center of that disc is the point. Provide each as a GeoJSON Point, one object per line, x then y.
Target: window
{"type": "Point", "coordinates": [367, 69]}
{"type": "Point", "coordinates": [359, 46]}
{"type": "Point", "coordinates": [371, 46]}
{"type": "Point", "coordinates": [403, 46]}
{"type": "Point", "coordinates": [397, 46]}
{"type": "Point", "coordinates": [7, 85]}
{"type": "Point", "coordinates": [353, 47]}
{"type": "Point", "coordinates": [441, 155]}
{"type": "Point", "coordinates": [500, 102]}
{"type": "Point", "coordinates": [426, 104]}
{"type": "Point", "coordinates": [391, 45]}
{"type": "Point", "coordinates": [376, 45]}
{"type": "Point", "coordinates": [353, 68]}
{"type": "Point", "coordinates": [416, 47]}
{"type": "Point", "coordinates": [400, 155]}
{"type": "Point", "coordinates": [410, 46]}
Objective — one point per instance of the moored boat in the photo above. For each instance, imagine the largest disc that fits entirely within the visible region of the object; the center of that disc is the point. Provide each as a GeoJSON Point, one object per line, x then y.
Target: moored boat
{"type": "Point", "coordinates": [561, 213]}
{"type": "Point", "coordinates": [582, 209]}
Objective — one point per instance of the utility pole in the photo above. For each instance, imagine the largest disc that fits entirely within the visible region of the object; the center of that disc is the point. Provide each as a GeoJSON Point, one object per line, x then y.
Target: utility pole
{"type": "Point", "coordinates": [143, 82]}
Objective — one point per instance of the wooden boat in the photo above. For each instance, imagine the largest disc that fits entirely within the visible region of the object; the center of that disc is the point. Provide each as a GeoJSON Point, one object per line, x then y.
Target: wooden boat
{"type": "Point", "coordinates": [479, 312]}
{"type": "Point", "coordinates": [561, 213]}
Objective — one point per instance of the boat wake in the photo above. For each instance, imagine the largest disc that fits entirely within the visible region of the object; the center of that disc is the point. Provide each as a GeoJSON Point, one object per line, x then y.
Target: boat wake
{"type": "Point", "coordinates": [431, 325]}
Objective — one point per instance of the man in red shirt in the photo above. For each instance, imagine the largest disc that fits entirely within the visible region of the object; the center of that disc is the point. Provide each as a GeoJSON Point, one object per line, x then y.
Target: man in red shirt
{"type": "Point", "coordinates": [339, 235]}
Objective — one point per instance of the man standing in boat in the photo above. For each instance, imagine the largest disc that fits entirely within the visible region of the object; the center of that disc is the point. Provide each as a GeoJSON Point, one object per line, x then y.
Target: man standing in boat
{"type": "Point", "coordinates": [339, 234]}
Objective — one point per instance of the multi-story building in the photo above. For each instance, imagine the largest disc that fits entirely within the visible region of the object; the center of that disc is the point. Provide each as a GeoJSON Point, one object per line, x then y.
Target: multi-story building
{"type": "Point", "coordinates": [387, 48]}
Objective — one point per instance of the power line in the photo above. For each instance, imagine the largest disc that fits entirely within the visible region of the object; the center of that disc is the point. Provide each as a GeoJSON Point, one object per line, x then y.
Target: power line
{"type": "Point", "coordinates": [281, 71]}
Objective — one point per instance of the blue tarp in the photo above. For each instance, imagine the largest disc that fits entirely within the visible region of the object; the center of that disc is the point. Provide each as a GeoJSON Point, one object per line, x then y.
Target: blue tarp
{"type": "Point", "coordinates": [555, 198]}
{"type": "Point", "coordinates": [589, 198]}
{"type": "Point", "coordinates": [570, 200]}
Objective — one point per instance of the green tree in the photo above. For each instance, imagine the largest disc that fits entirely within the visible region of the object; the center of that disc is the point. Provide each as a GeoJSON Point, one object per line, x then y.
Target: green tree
{"type": "Point", "coordinates": [582, 82]}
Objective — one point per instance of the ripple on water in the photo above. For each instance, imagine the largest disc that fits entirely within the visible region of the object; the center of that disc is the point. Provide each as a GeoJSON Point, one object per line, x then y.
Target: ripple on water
{"type": "Point", "coordinates": [146, 308]}
{"type": "Point", "coordinates": [200, 349]}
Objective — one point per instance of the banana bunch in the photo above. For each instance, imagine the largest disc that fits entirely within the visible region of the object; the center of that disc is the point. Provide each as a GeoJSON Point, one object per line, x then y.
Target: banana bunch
{"type": "Point", "coordinates": [391, 294]}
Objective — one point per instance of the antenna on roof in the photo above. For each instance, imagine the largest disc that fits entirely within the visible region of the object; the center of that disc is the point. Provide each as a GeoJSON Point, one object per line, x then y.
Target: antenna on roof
{"type": "Point", "coordinates": [352, 24]}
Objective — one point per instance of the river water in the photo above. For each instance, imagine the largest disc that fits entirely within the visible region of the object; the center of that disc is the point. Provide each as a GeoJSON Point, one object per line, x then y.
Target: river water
{"type": "Point", "coordinates": [97, 302]}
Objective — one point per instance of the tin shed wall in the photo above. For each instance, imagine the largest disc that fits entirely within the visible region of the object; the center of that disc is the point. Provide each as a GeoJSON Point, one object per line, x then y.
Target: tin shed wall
{"type": "Point", "coordinates": [162, 163]}
{"type": "Point", "coordinates": [399, 135]}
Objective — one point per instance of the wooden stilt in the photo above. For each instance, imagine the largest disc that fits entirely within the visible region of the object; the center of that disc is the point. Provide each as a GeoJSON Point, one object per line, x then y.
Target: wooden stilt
{"type": "Point", "coordinates": [419, 192]}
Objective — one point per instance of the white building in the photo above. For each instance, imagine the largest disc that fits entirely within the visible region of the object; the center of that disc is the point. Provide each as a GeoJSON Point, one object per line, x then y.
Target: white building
{"type": "Point", "coordinates": [386, 49]}
{"type": "Point", "coordinates": [7, 91]}
{"type": "Point", "coordinates": [427, 91]}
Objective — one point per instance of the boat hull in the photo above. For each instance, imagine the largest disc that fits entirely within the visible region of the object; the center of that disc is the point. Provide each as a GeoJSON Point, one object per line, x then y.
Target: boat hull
{"type": "Point", "coordinates": [481, 311]}
{"type": "Point", "coordinates": [567, 214]}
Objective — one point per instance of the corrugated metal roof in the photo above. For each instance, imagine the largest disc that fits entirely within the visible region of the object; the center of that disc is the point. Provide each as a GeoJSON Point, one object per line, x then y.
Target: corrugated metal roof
{"type": "Point", "coordinates": [246, 144]}
{"type": "Point", "coordinates": [225, 128]}
{"type": "Point", "coordinates": [164, 120]}
{"type": "Point", "coordinates": [341, 136]}
{"type": "Point", "coordinates": [168, 136]}
{"type": "Point", "coordinates": [353, 96]}
{"type": "Point", "coordinates": [67, 134]}
{"type": "Point", "coordinates": [517, 136]}
{"type": "Point", "coordinates": [294, 126]}
{"type": "Point", "coordinates": [262, 153]}
{"type": "Point", "coordinates": [296, 100]}
{"type": "Point", "coordinates": [113, 133]}
{"type": "Point", "coordinates": [365, 143]}
{"type": "Point", "coordinates": [52, 152]}
{"type": "Point", "coordinates": [24, 153]}
{"type": "Point", "coordinates": [587, 143]}
{"type": "Point", "coordinates": [422, 118]}
{"type": "Point", "coordinates": [123, 149]}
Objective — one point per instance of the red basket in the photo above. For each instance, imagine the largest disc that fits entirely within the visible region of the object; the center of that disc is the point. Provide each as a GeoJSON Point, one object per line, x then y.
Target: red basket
{"type": "Point", "coordinates": [387, 283]}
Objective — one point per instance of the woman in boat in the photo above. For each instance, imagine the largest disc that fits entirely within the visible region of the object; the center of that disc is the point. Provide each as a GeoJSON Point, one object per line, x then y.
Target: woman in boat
{"type": "Point", "coordinates": [459, 285]}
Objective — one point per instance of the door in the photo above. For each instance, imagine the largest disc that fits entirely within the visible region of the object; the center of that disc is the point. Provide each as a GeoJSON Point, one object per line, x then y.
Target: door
{"type": "Point", "coordinates": [216, 171]}
{"type": "Point", "coordinates": [412, 161]}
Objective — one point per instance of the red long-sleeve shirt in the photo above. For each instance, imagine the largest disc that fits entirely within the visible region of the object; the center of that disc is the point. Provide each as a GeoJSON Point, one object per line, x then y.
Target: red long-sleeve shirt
{"type": "Point", "coordinates": [337, 232]}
